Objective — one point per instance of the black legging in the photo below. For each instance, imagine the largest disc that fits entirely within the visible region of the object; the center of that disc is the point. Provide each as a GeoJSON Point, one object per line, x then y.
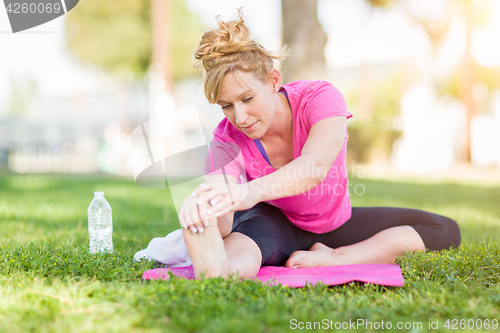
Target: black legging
{"type": "Point", "coordinates": [278, 238]}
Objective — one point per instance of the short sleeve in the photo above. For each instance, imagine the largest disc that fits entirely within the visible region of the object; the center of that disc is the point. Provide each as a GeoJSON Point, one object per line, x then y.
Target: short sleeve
{"type": "Point", "coordinates": [224, 158]}
{"type": "Point", "coordinates": [323, 101]}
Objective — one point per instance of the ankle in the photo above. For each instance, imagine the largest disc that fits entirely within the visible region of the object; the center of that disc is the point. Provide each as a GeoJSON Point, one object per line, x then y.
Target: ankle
{"type": "Point", "coordinates": [338, 255]}
{"type": "Point", "coordinates": [339, 251]}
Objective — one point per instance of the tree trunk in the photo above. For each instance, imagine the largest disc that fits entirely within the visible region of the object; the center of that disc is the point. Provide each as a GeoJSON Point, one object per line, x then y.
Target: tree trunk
{"type": "Point", "coordinates": [304, 34]}
{"type": "Point", "coordinates": [365, 92]}
{"type": "Point", "coordinates": [466, 86]}
{"type": "Point", "coordinates": [160, 11]}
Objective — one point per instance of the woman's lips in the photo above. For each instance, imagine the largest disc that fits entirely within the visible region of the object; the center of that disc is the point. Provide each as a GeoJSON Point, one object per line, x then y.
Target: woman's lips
{"type": "Point", "coordinates": [249, 128]}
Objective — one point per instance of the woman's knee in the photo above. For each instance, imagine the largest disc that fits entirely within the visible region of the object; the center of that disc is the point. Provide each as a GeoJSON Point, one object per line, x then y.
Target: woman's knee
{"type": "Point", "coordinates": [440, 234]}
{"type": "Point", "coordinates": [452, 230]}
{"type": "Point", "coordinates": [243, 255]}
{"type": "Point", "coordinates": [245, 269]}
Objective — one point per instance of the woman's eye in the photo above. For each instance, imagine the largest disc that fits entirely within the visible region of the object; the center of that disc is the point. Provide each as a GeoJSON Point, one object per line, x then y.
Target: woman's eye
{"type": "Point", "coordinates": [225, 106]}
{"type": "Point", "coordinates": [247, 99]}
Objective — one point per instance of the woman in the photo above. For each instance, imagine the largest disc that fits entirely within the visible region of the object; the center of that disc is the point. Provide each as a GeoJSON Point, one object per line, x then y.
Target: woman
{"type": "Point", "coordinates": [289, 141]}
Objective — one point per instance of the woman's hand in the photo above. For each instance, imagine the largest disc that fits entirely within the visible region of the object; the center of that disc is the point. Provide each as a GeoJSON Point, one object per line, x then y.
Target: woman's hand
{"type": "Point", "coordinates": [214, 200]}
{"type": "Point", "coordinates": [224, 198]}
{"type": "Point", "coordinates": [193, 215]}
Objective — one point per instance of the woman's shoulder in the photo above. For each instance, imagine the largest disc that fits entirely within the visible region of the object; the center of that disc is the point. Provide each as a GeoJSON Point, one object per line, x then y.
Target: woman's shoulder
{"type": "Point", "coordinates": [309, 89]}
{"type": "Point", "coordinates": [303, 92]}
{"type": "Point", "coordinates": [316, 100]}
{"type": "Point", "coordinates": [307, 85]}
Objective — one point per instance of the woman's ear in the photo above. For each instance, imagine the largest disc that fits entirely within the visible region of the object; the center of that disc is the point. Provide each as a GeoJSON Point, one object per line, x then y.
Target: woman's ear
{"type": "Point", "coordinates": [275, 79]}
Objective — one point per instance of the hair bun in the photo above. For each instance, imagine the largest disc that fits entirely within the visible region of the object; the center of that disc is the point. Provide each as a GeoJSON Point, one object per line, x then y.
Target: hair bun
{"type": "Point", "coordinates": [231, 37]}
{"type": "Point", "coordinates": [227, 48]}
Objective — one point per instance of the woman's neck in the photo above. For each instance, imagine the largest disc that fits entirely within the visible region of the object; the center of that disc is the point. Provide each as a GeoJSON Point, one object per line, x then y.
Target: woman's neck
{"type": "Point", "coordinates": [282, 125]}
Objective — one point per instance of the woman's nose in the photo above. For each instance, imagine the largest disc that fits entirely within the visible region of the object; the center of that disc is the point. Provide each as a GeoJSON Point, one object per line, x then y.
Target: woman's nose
{"type": "Point", "coordinates": [241, 115]}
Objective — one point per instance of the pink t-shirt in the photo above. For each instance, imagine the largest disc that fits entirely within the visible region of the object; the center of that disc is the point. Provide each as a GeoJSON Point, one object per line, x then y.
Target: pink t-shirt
{"type": "Point", "coordinates": [321, 209]}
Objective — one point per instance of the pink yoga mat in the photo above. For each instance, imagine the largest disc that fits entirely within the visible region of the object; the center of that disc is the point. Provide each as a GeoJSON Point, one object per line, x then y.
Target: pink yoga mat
{"type": "Point", "coordinates": [386, 275]}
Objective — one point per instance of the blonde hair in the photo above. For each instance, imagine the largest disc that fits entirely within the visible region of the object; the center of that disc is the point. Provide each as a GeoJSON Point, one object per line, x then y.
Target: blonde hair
{"type": "Point", "coordinates": [229, 48]}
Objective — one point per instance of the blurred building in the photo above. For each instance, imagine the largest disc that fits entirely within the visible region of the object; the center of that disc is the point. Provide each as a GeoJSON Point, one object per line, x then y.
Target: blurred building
{"type": "Point", "coordinates": [72, 134]}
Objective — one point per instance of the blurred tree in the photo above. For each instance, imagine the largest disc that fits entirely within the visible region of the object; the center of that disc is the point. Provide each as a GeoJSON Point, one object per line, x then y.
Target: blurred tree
{"type": "Point", "coordinates": [488, 76]}
{"type": "Point", "coordinates": [125, 39]}
{"type": "Point", "coordinates": [118, 39]}
{"type": "Point", "coordinates": [475, 13]}
{"type": "Point", "coordinates": [365, 105]}
{"type": "Point", "coordinates": [303, 32]}
{"type": "Point", "coordinates": [161, 58]}
{"type": "Point", "coordinates": [374, 138]}
{"type": "Point", "coordinates": [372, 134]}
{"type": "Point", "coordinates": [436, 25]}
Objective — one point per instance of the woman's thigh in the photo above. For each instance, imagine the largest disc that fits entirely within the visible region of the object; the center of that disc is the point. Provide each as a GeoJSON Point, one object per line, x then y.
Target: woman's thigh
{"type": "Point", "coordinates": [275, 236]}
{"type": "Point", "coordinates": [437, 232]}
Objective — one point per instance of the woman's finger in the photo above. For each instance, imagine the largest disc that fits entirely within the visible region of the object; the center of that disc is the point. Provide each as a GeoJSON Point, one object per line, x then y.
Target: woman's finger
{"type": "Point", "coordinates": [216, 200]}
{"type": "Point", "coordinates": [209, 200]}
{"type": "Point", "coordinates": [186, 221]}
{"type": "Point", "coordinates": [212, 194]}
{"type": "Point", "coordinates": [202, 209]}
{"type": "Point", "coordinates": [221, 208]}
{"type": "Point", "coordinates": [201, 188]}
{"type": "Point", "coordinates": [194, 217]}
{"type": "Point", "coordinates": [182, 213]}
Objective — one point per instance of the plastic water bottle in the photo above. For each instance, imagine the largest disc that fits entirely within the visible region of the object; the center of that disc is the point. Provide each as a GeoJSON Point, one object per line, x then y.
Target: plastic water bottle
{"type": "Point", "coordinates": [100, 224]}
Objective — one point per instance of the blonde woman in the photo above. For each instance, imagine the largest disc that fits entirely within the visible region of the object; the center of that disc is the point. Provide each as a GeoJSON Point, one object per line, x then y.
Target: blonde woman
{"type": "Point", "coordinates": [293, 209]}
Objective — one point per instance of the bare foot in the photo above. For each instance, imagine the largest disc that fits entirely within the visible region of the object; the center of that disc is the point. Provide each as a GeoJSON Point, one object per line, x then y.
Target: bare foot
{"type": "Point", "coordinates": [207, 253]}
{"type": "Point", "coordinates": [318, 255]}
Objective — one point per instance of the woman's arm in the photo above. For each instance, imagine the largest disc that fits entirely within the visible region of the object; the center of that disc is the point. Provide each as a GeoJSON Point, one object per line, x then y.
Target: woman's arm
{"type": "Point", "coordinates": [320, 150]}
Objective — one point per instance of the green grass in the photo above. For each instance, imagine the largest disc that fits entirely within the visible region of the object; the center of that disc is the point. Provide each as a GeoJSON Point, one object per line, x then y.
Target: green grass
{"type": "Point", "coordinates": [49, 282]}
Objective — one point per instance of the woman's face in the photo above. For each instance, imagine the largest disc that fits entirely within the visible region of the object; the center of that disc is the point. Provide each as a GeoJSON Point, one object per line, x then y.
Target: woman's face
{"type": "Point", "coordinates": [248, 103]}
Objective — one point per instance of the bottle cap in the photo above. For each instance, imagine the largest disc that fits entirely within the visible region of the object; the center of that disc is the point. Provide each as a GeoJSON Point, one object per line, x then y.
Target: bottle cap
{"type": "Point", "coordinates": [99, 194]}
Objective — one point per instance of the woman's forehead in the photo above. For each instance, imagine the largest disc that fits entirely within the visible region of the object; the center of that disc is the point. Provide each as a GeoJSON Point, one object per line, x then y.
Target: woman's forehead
{"type": "Point", "coordinates": [239, 78]}
{"type": "Point", "coordinates": [237, 82]}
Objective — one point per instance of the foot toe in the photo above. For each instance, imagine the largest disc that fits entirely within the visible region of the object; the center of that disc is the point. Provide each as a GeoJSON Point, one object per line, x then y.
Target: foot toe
{"type": "Point", "coordinates": [294, 259]}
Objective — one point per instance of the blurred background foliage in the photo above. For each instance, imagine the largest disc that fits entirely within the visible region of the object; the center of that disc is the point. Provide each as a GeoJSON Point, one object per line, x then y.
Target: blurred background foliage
{"type": "Point", "coordinates": [374, 135]}
{"type": "Point", "coordinates": [118, 39]}
{"type": "Point", "coordinates": [486, 77]}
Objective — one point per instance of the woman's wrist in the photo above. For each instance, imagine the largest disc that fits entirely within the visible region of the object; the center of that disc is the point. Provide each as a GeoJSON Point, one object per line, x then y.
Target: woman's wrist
{"type": "Point", "coordinates": [286, 181]}
{"type": "Point", "coordinates": [256, 191]}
